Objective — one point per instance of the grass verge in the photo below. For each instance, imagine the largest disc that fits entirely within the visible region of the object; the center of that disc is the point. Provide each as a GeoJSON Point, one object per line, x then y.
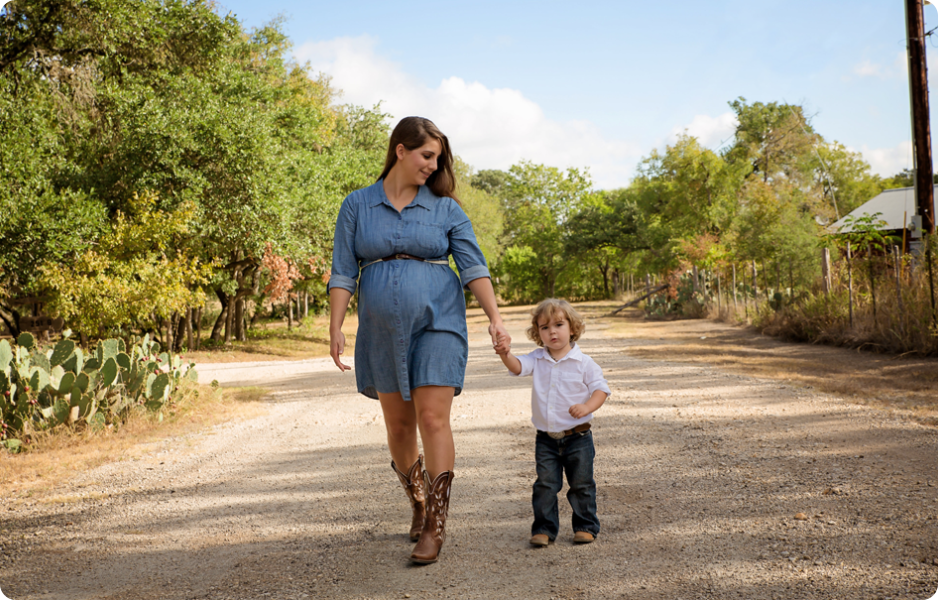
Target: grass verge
{"type": "Point", "coordinates": [271, 340]}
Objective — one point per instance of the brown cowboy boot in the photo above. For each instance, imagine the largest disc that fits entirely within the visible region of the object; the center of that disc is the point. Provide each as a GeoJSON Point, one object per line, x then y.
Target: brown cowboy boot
{"type": "Point", "coordinates": [413, 485]}
{"type": "Point", "coordinates": [434, 529]}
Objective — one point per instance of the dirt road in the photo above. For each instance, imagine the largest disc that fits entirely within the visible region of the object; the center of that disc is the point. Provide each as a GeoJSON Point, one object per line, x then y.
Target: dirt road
{"type": "Point", "coordinates": [711, 485]}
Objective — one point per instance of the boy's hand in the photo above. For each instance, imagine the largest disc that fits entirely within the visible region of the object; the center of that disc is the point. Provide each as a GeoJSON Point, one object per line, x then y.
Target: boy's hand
{"type": "Point", "coordinates": [501, 340]}
{"type": "Point", "coordinates": [578, 411]}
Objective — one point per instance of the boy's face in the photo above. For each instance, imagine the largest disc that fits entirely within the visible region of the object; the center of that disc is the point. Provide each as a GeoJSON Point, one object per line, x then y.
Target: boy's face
{"type": "Point", "coordinates": [554, 331]}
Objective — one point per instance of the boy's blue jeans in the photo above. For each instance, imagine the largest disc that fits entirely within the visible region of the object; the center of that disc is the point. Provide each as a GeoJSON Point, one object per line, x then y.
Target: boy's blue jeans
{"type": "Point", "coordinates": [572, 455]}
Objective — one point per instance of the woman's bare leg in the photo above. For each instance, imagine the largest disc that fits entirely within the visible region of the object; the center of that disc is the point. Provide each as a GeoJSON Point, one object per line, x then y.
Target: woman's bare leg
{"type": "Point", "coordinates": [400, 419]}
{"type": "Point", "coordinates": [433, 404]}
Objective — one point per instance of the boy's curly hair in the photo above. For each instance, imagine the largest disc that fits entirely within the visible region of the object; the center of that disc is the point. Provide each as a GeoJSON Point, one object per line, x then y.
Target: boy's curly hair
{"type": "Point", "coordinates": [552, 307]}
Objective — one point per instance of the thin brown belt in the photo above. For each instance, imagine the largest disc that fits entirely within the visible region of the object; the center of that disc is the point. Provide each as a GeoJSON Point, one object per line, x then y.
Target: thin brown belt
{"type": "Point", "coordinates": [402, 256]}
{"type": "Point", "coordinates": [558, 435]}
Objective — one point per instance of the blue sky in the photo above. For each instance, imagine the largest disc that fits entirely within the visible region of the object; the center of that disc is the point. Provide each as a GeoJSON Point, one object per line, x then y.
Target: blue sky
{"type": "Point", "coordinates": [600, 84]}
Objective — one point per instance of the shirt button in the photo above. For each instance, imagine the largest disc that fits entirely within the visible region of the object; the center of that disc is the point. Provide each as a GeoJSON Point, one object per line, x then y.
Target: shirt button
{"type": "Point", "coordinates": [395, 283]}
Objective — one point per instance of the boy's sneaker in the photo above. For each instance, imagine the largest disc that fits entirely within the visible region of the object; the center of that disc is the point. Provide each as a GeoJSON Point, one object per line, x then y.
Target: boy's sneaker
{"type": "Point", "coordinates": [540, 539]}
{"type": "Point", "coordinates": [583, 537]}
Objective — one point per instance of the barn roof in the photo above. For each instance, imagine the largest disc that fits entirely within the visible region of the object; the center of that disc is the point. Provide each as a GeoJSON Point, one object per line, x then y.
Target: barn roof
{"type": "Point", "coordinates": [897, 207]}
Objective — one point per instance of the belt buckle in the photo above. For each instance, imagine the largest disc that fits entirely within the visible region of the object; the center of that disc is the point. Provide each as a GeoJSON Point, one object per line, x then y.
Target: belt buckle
{"type": "Point", "coordinates": [556, 435]}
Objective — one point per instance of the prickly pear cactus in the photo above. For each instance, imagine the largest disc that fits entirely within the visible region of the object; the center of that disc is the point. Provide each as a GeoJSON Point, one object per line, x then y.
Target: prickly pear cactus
{"type": "Point", "coordinates": [42, 388]}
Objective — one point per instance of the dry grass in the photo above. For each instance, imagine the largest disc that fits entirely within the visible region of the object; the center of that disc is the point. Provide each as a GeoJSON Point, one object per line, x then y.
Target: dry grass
{"type": "Point", "coordinates": [273, 341]}
{"type": "Point", "coordinates": [887, 381]}
{"type": "Point", "coordinates": [55, 457]}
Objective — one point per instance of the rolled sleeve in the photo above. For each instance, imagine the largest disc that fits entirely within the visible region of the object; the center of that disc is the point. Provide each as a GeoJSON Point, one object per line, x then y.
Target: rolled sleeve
{"type": "Point", "coordinates": [341, 281]}
{"type": "Point", "coordinates": [464, 248]}
{"type": "Point", "coordinates": [345, 269]}
{"type": "Point", "coordinates": [527, 365]}
{"type": "Point", "coordinates": [594, 380]}
{"type": "Point", "coordinates": [473, 273]}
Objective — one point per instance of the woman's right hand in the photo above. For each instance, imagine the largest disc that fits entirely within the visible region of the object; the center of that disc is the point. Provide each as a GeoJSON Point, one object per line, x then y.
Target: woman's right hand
{"type": "Point", "coordinates": [338, 304]}
{"type": "Point", "coordinates": [336, 348]}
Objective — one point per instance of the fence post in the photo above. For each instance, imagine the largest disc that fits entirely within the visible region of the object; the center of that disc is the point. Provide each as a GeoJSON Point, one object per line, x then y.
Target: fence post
{"type": "Point", "coordinates": [929, 241]}
{"type": "Point", "coordinates": [896, 259]}
{"type": "Point", "coordinates": [826, 269]}
{"type": "Point", "coordinates": [869, 252]}
{"type": "Point", "coordinates": [696, 280]}
{"type": "Point", "coordinates": [850, 281]}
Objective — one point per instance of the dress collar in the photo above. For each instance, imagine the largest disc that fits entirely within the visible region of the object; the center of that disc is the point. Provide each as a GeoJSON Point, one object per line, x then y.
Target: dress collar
{"type": "Point", "coordinates": [422, 199]}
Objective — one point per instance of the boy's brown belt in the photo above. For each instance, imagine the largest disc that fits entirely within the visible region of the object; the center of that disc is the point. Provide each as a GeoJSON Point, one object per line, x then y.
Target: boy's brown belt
{"type": "Point", "coordinates": [559, 435]}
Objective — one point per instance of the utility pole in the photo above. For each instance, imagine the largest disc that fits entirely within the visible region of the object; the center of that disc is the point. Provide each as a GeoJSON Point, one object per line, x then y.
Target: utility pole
{"type": "Point", "coordinates": [921, 130]}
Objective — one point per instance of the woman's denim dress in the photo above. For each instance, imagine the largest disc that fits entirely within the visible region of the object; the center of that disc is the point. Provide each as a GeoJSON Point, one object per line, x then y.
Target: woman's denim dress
{"type": "Point", "coordinates": [411, 314]}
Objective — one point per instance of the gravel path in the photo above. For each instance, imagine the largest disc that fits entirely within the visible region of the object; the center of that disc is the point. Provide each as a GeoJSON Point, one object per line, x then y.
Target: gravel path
{"type": "Point", "coordinates": [711, 485]}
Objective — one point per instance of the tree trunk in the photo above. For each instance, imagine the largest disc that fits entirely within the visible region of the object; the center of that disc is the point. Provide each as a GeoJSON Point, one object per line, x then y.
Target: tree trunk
{"type": "Point", "coordinates": [181, 327]}
{"type": "Point", "coordinates": [258, 309]}
{"type": "Point", "coordinates": [198, 328]}
{"type": "Point", "coordinates": [604, 269]}
{"type": "Point", "coordinates": [222, 316]}
{"type": "Point", "coordinates": [229, 319]}
{"type": "Point", "coordinates": [616, 285]}
{"type": "Point", "coordinates": [305, 304]}
{"type": "Point", "coordinates": [12, 320]}
{"type": "Point", "coordinates": [169, 332]}
{"type": "Point", "coordinates": [239, 318]}
{"type": "Point", "coordinates": [289, 313]}
{"type": "Point", "coordinates": [189, 328]}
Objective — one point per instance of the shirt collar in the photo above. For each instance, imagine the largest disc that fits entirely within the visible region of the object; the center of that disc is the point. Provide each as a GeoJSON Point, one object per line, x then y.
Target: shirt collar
{"type": "Point", "coordinates": [574, 354]}
{"type": "Point", "coordinates": [422, 199]}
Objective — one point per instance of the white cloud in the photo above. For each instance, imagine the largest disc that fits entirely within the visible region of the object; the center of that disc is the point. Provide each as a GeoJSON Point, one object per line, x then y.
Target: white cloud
{"type": "Point", "coordinates": [887, 161]}
{"type": "Point", "coordinates": [711, 132]}
{"type": "Point", "coordinates": [898, 68]}
{"type": "Point", "coordinates": [488, 128]}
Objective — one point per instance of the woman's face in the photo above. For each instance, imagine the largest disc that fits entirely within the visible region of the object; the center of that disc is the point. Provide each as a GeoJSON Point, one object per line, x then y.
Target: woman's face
{"type": "Point", "coordinates": [418, 164]}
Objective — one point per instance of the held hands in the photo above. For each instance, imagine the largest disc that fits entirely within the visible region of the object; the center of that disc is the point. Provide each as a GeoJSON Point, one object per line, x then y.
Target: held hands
{"type": "Point", "coordinates": [336, 348]}
{"type": "Point", "coordinates": [578, 411]}
{"type": "Point", "coordinates": [501, 341]}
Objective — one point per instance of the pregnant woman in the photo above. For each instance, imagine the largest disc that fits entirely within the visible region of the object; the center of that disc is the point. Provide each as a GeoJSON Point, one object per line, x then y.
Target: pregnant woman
{"type": "Point", "coordinates": [392, 243]}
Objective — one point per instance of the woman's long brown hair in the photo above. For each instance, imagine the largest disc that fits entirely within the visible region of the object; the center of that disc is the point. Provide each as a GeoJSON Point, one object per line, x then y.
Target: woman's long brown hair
{"type": "Point", "coordinates": [413, 133]}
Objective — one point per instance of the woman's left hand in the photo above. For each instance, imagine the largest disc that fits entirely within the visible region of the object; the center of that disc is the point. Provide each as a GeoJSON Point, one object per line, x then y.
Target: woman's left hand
{"type": "Point", "coordinates": [500, 338]}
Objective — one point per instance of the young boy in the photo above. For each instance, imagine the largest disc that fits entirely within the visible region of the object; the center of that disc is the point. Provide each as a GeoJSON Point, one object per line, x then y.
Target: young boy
{"type": "Point", "coordinates": [568, 388]}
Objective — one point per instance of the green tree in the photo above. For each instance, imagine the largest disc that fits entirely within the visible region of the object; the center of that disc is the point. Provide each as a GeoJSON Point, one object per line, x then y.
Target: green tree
{"type": "Point", "coordinates": [538, 202]}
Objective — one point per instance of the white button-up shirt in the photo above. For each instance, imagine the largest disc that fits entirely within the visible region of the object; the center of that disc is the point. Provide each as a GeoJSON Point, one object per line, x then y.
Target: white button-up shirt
{"type": "Point", "coordinates": [558, 385]}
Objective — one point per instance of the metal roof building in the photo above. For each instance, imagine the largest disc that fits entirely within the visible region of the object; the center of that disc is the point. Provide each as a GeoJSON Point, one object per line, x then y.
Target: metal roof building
{"type": "Point", "coordinates": [896, 207]}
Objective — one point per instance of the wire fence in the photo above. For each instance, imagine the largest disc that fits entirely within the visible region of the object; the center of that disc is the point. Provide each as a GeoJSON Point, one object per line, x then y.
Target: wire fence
{"type": "Point", "coordinates": [876, 298]}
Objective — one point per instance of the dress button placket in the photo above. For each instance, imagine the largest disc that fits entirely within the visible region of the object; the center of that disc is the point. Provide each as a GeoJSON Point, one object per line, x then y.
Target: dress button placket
{"type": "Point", "coordinates": [401, 357]}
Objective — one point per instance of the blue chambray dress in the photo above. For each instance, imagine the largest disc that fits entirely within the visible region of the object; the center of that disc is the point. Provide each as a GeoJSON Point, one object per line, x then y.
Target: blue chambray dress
{"type": "Point", "coordinates": [411, 314]}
